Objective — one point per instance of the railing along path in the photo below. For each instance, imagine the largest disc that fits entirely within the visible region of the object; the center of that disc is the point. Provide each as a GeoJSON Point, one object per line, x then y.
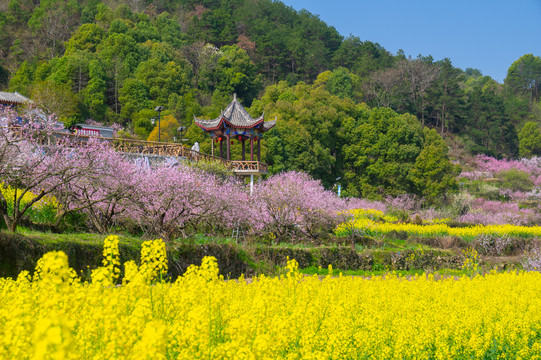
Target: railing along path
{"type": "Point", "coordinates": [166, 149]}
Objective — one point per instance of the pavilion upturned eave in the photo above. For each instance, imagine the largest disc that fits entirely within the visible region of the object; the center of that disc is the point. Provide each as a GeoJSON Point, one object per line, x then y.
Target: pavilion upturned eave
{"type": "Point", "coordinates": [267, 125]}
{"type": "Point", "coordinates": [212, 124]}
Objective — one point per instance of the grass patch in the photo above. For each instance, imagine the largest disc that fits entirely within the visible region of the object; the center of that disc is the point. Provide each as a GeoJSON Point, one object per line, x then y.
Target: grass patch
{"type": "Point", "coordinates": [313, 270]}
{"type": "Point", "coordinates": [202, 239]}
{"type": "Point", "coordinates": [79, 238]}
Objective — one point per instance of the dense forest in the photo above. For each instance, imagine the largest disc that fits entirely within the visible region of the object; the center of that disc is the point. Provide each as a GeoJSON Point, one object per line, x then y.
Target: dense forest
{"type": "Point", "coordinates": [346, 108]}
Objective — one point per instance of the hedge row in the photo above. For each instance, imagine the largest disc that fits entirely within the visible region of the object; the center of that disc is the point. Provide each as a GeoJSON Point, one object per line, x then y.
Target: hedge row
{"type": "Point", "coordinates": [19, 252]}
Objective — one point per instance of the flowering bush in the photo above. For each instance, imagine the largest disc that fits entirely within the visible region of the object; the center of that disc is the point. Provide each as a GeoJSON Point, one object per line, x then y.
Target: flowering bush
{"type": "Point", "coordinates": [102, 191]}
{"type": "Point", "coordinates": [487, 212]}
{"type": "Point", "coordinates": [406, 202]}
{"type": "Point", "coordinates": [496, 245]}
{"type": "Point", "coordinates": [493, 165]}
{"type": "Point", "coordinates": [293, 204]}
{"type": "Point", "coordinates": [471, 261]}
{"type": "Point", "coordinates": [111, 257]}
{"type": "Point", "coordinates": [487, 167]}
{"type": "Point", "coordinates": [154, 260]}
{"type": "Point", "coordinates": [532, 262]}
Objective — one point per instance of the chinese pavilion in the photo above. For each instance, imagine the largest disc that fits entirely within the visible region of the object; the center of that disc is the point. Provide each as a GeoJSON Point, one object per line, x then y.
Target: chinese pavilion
{"type": "Point", "coordinates": [234, 123]}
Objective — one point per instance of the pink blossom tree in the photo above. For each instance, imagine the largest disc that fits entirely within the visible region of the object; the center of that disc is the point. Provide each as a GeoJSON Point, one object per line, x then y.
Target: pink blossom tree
{"type": "Point", "coordinates": [293, 204]}
{"type": "Point", "coordinates": [33, 161]}
{"type": "Point", "coordinates": [168, 201]}
{"type": "Point", "coordinates": [99, 194]}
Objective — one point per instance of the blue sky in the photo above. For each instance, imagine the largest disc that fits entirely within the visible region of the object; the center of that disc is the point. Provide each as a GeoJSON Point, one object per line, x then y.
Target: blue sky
{"type": "Point", "coordinates": [481, 34]}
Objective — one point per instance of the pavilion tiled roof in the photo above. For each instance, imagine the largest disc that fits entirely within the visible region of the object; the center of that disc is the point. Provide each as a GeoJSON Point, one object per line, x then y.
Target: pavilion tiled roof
{"type": "Point", "coordinates": [235, 116]}
{"type": "Point", "coordinates": [12, 98]}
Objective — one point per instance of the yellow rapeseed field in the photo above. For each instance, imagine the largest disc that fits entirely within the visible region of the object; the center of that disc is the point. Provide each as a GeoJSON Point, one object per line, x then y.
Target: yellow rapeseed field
{"type": "Point", "coordinates": [374, 222]}
{"type": "Point", "coordinates": [202, 316]}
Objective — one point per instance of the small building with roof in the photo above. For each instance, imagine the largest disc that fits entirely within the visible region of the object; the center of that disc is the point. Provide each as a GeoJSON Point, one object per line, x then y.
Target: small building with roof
{"type": "Point", "coordinates": [234, 123]}
{"type": "Point", "coordinates": [13, 99]}
{"type": "Point", "coordinates": [92, 130]}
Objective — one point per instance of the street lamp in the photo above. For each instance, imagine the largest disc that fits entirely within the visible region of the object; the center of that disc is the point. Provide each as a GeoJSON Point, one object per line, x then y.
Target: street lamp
{"type": "Point", "coordinates": [181, 130]}
{"type": "Point", "coordinates": [159, 109]}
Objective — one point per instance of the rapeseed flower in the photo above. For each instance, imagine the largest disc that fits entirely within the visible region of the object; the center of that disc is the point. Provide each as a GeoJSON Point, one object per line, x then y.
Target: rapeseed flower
{"type": "Point", "coordinates": [364, 222]}
{"type": "Point", "coordinates": [203, 316]}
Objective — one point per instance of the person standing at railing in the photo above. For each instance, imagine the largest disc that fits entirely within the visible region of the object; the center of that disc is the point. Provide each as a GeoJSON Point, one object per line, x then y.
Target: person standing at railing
{"type": "Point", "coordinates": [195, 151]}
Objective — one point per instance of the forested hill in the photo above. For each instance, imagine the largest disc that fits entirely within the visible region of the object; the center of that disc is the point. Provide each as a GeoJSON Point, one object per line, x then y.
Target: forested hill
{"type": "Point", "coordinates": [114, 61]}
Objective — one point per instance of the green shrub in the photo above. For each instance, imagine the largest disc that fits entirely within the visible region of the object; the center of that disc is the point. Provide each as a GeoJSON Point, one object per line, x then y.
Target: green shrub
{"type": "Point", "coordinates": [459, 205]}
{"type": "Point", "coordinates": [402, 215]}
{"type": "Point", "coordinates": [514, 179]}
{"type": "Point", "coordinates": [529, 140]}
{"type": "Point", "coordinates": [217, 168]}
{"type": "Point", "coordinates": [485, 190]}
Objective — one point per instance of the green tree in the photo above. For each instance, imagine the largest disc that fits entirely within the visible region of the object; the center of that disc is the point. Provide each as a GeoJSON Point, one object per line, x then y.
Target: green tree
{"type": "Point", "coordinates": [343, 84]}
{"type": "Point", "coordinates": [22, 79]}
{"type": "Point", "coordinates": [170, 30]}
{"type": "Point", "coordinates": [153, 83]}
{"type": "Point", "coordinates": [21, 10]}
{"type": "Point", "coordinates": [236, 73]}
{"type": "Point", "coordinates": [87, 37]}
{"type": "Point", "coordinates": [133, 97]}
{"type": "Point", "coordinates": [94, 95]}
{"type": "Point", "coordinates": [529, 140]}
{"type": "Point", "coordinates": [53, 21]}
{"type": "Point", "coordinates": [72, 69]}
{"type": "Point", "coordinates": [307, 136]}
{"type": "Point", "coordinates": [4, 77]}
{"type": "Point", "coordinates": [446, 99]}
{"type": "Point", "coordinates": [120, 55]}
{"type": "Point", "coordinates": [144, 31]}
{"type": "Point", "coordinates": [486, 123]}
{"type": "Point", "coordinates": [524, 76]}
{"type": "Point", "coordinates": [380, 149]}
{"type": "Point", "coordinates": [56, 99]}
{"type": "Point", "coordinates": [361, 58]}
{"type": "Point", "coordinates": [142, 125]}
{"type": "Point", "coordinates": [433, 175]}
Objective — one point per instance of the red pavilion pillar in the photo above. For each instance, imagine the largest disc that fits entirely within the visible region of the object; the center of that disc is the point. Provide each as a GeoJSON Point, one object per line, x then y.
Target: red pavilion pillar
{"type": "Point", "coordinates": [258, 149]}
{"type": "Point", "coordinates": [243, 150]}
{"type": "Point", "coordinates": [221, 148]}
{"type": "Point", "coordinates": [251, 149]}
{"type": "Point", "coordinates": [228, 147]}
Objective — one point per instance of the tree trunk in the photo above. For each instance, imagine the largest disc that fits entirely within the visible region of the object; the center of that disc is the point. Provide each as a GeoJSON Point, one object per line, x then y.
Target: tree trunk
{"type": "Point", "coordinates": [11, 223]}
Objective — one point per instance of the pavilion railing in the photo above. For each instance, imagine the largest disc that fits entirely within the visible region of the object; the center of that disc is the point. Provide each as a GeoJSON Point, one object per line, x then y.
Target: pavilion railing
{"type": "Point", "coordinates": [249, 166]}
